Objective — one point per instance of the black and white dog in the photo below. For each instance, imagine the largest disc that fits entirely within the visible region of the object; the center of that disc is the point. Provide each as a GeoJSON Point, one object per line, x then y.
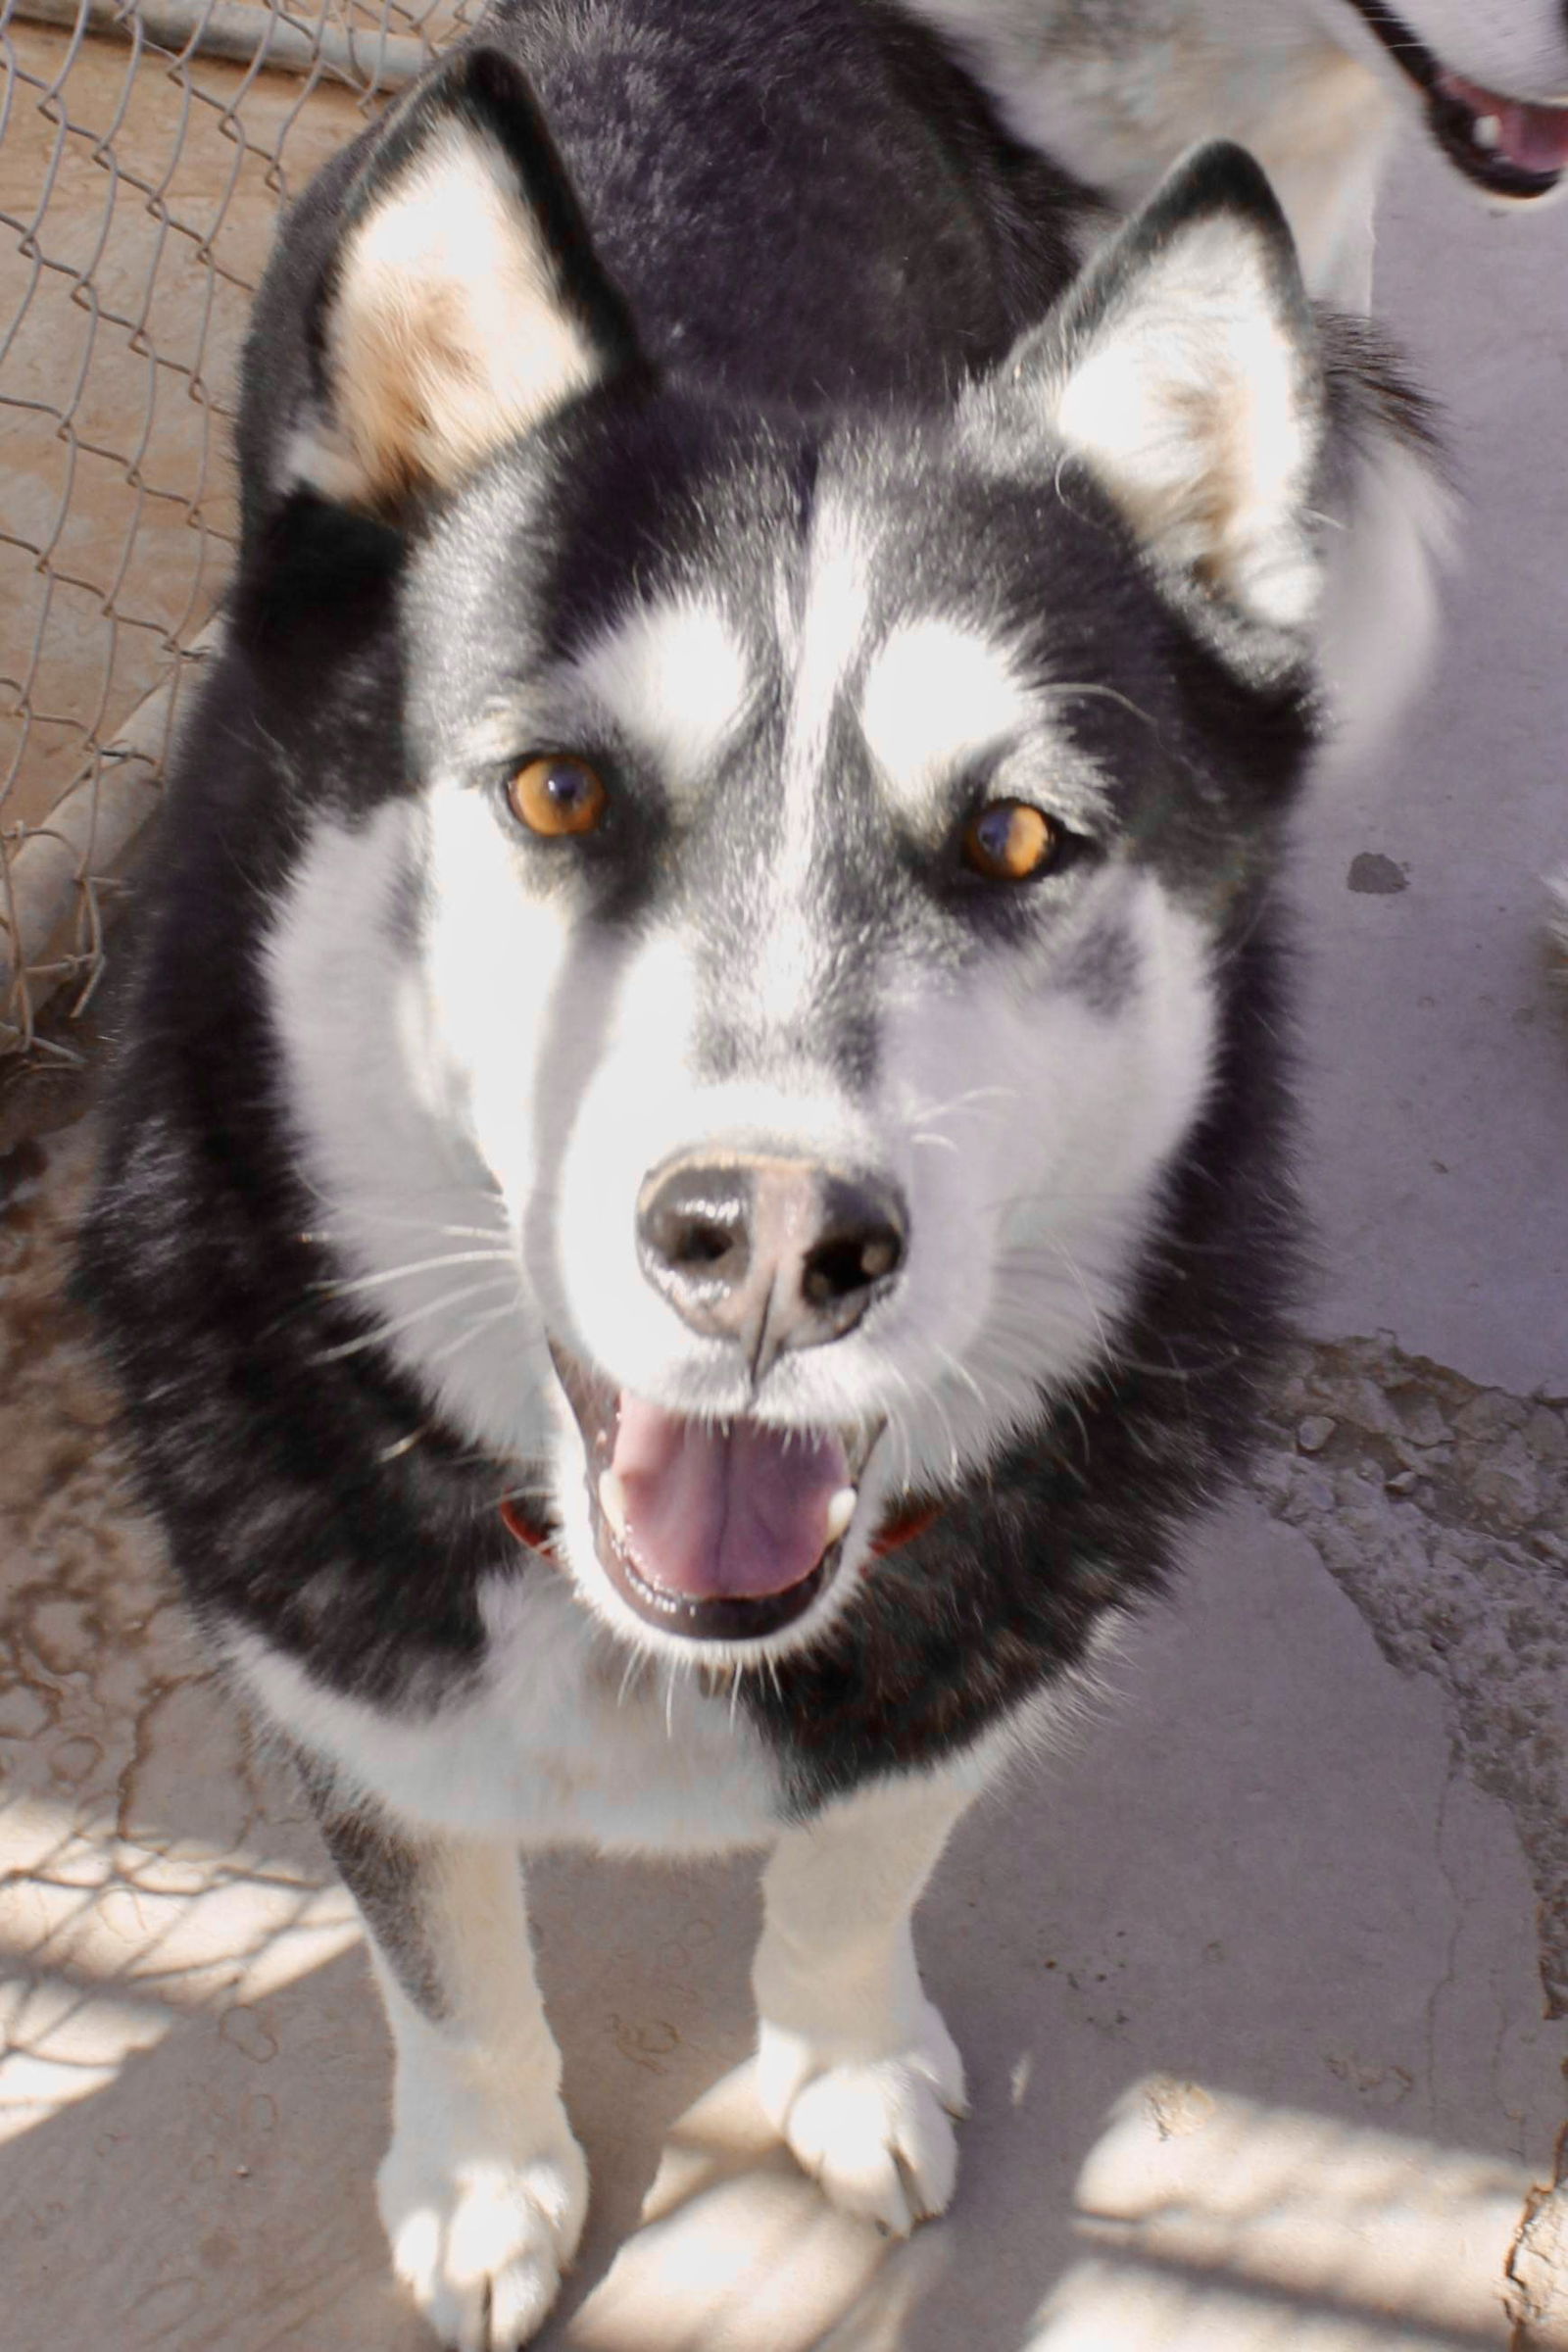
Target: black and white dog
{"type": "Point", "coordinates": [695, 1196]}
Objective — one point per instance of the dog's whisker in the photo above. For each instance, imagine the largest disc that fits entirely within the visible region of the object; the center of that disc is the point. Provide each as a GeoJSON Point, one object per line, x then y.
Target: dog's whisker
{"type": "Point", "coordinates": [407, 1322]}
{"type": "Point", "coordinates": [961, 1371]}
{"type": "Point", "coordinates": [962, 1101]}
{"type": "Point", "coordinates": [332, 1287]}
{"type": "Point", "coordinates": [348, 1244]}
{"type": "Point", "coordinates": [1076, 1276]}
{"type": "Point", "coordinates": [1083, 689]}
{"type": "Point", "coordinates": [475, 1328]}
{"type": "Point", "coordinates": [402, 1446]}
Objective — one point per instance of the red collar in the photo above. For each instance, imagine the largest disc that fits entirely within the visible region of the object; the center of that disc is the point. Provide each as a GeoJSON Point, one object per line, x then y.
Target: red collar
{"type": "Point", "coordinates": [914, 1520]}
{"type": "Point", "coordinates": [531, 1532]}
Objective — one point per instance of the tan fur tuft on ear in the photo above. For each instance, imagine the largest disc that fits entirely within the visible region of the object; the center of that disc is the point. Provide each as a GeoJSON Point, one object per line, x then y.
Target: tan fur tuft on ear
{"type": "Point", "coordinates": [1192, 405]}
{"type": "Point", "coordinates": [448, 335]}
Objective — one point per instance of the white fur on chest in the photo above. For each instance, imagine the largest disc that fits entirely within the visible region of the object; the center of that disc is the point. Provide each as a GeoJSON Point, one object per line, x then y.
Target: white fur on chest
{"type": "Point", "coordinates": [564, 1739]}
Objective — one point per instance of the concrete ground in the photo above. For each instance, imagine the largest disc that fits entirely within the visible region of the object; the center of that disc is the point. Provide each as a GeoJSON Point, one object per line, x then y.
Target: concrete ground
{"type": "Point", "coordinates": [1253, 1984]}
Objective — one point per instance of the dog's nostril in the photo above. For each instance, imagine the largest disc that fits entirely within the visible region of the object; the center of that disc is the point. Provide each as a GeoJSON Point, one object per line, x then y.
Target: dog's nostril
{"type": "Point", "coordinates": [861, 1242]}
{"type": "Point", "coordinates": [693, 1226]}
{"type": "Point", "coordinates": [695, 1243]}
{"type": "Point", "coordinates": [849, 1262]}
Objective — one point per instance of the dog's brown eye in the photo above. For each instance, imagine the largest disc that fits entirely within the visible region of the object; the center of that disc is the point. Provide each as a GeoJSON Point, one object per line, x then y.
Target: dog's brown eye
{"type": "Point", "coordinates": [1010, 841]}
{"type": "Point", "coordinates": [557, 795]}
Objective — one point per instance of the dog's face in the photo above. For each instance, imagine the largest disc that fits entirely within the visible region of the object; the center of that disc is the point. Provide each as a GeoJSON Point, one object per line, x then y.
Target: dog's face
{"type": "Point", "coordinates": [1492, 83]}
{"type": "Point", "coordinates": [743, 1067]}
{"type": "Point", "coordinates": [827, 1073]}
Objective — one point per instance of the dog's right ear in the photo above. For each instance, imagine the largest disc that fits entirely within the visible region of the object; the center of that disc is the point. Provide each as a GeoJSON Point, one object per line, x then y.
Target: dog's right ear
{"type": "Point", "coordinates": [462, 303]}
{"type": "Point", "coordinates": [1183, 370]}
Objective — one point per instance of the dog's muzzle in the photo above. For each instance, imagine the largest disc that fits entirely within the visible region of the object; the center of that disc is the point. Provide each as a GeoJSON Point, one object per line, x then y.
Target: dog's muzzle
{"type": "Point", "coordinates": [728, 1529]}
{"type": "Point", "coordinates": [1510, 146]}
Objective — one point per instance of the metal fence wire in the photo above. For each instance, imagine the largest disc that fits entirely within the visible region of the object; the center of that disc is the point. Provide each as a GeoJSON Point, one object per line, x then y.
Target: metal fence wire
{"type": "Point", "coordinates": [145, 148]}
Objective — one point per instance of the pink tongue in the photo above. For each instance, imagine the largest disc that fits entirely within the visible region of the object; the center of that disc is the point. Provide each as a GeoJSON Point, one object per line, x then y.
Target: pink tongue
{"type": "Point", "coordinates": [715, 1513]}
{"type": "Point", "coordinates": [1534, 139]}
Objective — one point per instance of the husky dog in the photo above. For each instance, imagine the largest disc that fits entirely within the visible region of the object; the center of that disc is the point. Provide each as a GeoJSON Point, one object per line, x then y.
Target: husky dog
{"type": "Point", "coordinates": [1116, 90]}
{"type": "Point", "coordinates": [696, 1194]}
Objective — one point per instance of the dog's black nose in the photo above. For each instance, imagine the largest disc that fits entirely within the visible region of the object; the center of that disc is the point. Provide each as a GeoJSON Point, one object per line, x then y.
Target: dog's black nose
{"type": "Point", "coordinates": [773, 1253]}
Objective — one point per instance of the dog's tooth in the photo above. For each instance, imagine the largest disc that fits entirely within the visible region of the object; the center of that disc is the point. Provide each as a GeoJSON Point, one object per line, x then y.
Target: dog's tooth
{"type": "Point", "coordinates": [612, 1501]}
{"type": "Point", "coordinates": [1487, 131]}
{"type": "Point", "coordinates": [840, 1511]}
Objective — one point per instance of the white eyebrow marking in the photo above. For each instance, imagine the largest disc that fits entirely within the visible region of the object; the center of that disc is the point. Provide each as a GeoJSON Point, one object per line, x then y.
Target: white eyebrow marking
{"type": "Point", "coordinates": [936, 696]}
{"type": "Point", "coordinates": [939, 696]}
{"type": "Point", "coordinates": [675, 678]}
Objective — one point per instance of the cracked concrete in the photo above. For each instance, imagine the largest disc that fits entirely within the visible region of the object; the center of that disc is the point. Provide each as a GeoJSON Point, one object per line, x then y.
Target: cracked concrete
{"type": "Point", "coordinates": [1442, 1510]}
{"type": "Point", "coordinates": [1537, 2262]}
{"type": "Point", "coordinates": [1250, 1982]}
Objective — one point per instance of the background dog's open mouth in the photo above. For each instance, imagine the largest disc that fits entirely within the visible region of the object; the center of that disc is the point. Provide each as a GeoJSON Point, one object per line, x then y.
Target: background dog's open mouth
{"type": "Point", "coordinates": [1511, 146]}
{"type": "Point", "coordinates": [718, 1531]}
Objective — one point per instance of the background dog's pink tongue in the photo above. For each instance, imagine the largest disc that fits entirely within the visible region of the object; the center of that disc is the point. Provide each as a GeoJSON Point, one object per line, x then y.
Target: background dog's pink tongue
{"type": "Point", "coordinates": [720, 1513]}
{"type": "Point", "coordinates": [1535, 138]}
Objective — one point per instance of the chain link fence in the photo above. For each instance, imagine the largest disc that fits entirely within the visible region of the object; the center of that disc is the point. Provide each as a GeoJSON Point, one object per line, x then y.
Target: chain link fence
{"type": "Point", "coordinates": [145, 148]}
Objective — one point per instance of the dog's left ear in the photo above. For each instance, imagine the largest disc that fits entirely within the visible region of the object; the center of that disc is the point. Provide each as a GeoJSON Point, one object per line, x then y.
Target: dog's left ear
{"type": "Point", "coordinates": [461, 304]}
{"type": "Point", "coordinates": [1183, 369]}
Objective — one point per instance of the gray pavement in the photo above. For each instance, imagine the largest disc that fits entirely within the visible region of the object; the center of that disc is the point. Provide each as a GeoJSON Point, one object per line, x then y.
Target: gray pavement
{"type": "Point", "coordinates": [1251, 1983]}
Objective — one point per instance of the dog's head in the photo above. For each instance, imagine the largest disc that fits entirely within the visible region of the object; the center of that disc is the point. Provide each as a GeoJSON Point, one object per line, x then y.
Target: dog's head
{"type": "Point", "coordinates": [1490, 82]}
{"type": "Point", "coordinates": [743, 1054]}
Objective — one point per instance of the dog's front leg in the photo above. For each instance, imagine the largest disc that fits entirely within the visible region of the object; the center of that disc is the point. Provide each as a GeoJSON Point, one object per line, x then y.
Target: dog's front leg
{"type": "Point", "coordinates": [855, 2066]}
{"type": "Point", "coordinates": [483, 2189]}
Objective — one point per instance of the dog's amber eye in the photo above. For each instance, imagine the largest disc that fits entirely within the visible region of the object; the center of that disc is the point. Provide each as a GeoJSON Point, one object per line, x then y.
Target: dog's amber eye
{"type": "Point", "coordinates": [1010, 841]}
{"type": "Point", "coordinates": [557, 795]}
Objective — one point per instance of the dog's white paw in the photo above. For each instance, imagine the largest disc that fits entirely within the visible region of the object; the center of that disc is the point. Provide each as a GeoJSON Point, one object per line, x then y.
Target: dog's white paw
{"type": "Point", "coordinates": [480, 2237]}
{"type": "Point", "coordinates": [876, 2132]}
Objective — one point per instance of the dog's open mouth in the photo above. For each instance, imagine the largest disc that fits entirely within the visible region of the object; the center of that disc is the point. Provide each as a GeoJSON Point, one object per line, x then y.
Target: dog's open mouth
{"type": "Point", "coordinates": [1510, 146]}
{"type": "Point", "coordinates": [718, 1531]}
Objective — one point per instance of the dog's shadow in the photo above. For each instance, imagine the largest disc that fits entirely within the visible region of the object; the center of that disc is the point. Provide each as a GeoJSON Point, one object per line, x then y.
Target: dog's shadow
{"type": "Point", "coordinates": [704, 2231]}
{"type": "Point", "coordinates": [734, 2249]}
